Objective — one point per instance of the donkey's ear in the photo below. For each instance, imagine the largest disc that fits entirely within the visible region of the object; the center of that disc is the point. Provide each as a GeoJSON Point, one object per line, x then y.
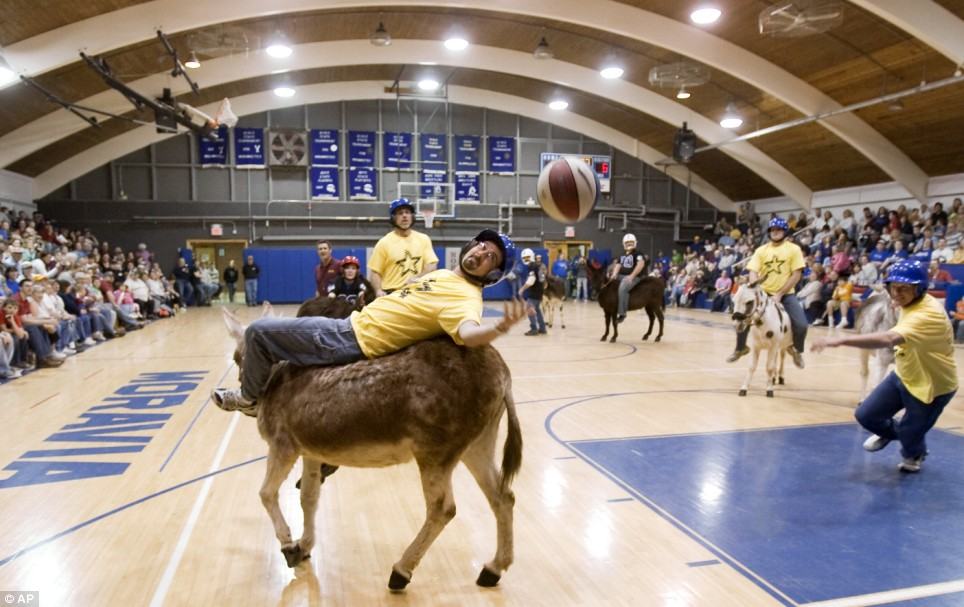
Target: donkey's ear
{"type": "Point", "coordinates": [235, 328]}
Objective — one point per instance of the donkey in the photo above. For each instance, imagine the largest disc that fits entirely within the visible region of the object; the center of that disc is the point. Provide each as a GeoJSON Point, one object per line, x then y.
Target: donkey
{"type": "Point", "coordinates": [875, 314]}
{"type": "Point", "coordinates": [769, 327]}
{"type": "Point", "coordinates": [436, 402]}
{"type": "Point", "coordinates": [647, 294]}
{"type": "Point", "coordinates": [555, 294]}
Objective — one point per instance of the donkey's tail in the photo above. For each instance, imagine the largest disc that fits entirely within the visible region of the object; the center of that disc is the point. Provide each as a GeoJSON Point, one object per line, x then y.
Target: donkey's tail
{"type": "Point", "coordinates": [512, 452]}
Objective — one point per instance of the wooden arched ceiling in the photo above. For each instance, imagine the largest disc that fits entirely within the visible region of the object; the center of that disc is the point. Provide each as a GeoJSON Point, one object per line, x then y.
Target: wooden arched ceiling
{"type": "Point", "coordinates": [861, 59]}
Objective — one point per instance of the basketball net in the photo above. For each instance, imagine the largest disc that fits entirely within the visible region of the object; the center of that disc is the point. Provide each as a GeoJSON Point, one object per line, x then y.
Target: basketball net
{"type": "Point", "coordinates": [428, 216]}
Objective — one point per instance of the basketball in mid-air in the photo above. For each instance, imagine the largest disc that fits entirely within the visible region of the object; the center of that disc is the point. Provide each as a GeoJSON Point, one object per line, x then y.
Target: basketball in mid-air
{"type": "Point", "coordinates": [567, 189]}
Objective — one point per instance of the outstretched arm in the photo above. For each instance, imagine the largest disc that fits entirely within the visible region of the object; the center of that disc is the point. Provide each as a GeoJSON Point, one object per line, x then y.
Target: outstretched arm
{"type": "Point", "coordinates": [872, 341]}
{"type": "Point", "coordinates": [475, 335]}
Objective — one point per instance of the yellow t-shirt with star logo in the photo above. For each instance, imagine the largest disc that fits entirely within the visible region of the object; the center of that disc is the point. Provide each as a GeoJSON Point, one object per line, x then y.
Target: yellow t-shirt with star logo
{"type": "Point", "coordinates": [437, 303]}
{"type": "Point", "coordinates": [925, 361]}
{"type": "Point", "coordinates": [397, 258]}
{"type": "Point", "coordinates": [778, 263]}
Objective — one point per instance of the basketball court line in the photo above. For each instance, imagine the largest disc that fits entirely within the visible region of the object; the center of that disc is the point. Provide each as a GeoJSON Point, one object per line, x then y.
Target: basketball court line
{"type": "Point", "coordinates": [892, 596]}
{"type": "Point", "coordinates": [196, 416]}
{"type": "Point", "coordinates": [160, 593]}
{"type": "Point", "coordinates": [666, 372]}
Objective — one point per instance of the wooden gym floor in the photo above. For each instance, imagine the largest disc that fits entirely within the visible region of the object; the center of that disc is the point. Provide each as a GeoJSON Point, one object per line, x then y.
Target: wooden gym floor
{"type": "Point", "coordinates": [646, 481]}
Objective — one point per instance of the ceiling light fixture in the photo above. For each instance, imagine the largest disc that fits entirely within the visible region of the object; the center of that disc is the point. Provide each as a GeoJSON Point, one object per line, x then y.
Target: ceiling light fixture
{"type": "Point", "coordinates": [380, 37]}
{"type": "Point", "coordinates": [428, 84]}
{"type": "Point", "coordinates": [279, 49]}
{"type": "Point", "coordinates": [683, 93]}
{"type": "Point", "coordinates": [731, 118]}
{"type": "Point", "coordinates": [7, 75]}
{"type": "Point", "coordinates": [705, 15]}
{"type": "Point", "coordinates": [611, 73]}
{"type": "Point", "coordinates": [284, 91]}
{"type": "Point", "coordinates": [558, 105]}
{"type": "Point", "coordinates": [192, 62]}
{"type": "Point", "coordinates": [542, 50]}
{"type": "Point", "coordinates": [456, 44]}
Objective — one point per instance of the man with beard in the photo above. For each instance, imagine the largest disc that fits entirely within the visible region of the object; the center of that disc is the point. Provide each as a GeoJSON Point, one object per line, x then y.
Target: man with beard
{"type": "Point", "coordinates": [441, 302]}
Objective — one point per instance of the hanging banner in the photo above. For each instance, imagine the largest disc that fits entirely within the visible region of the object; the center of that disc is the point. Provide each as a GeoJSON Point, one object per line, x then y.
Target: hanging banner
{"type": "Point", "coordinates": [361, 148]}
{"type": "Point", "coordinates": [363, 183]}
{"type": "Point", "coordinates": [467, 153]}
{"type": "Point", "coordinates": [324, 147]}
{"type": "Point", "coordinates": [324, 183]}
{"type": "Point", "coordinates": [214, 152]}
{"type": "Point", "coordinates": [249, 148]}
{"type": "Point", "coordinates": [432, 192]}
{"type": "Point", "coordinates": [397, 149]}
{"type": "Point", "coordinates": [432, 151]}
{"type": "Point", "coordinates": [466, 187]}
{"type": "Point", "coordinates": [502, 154]}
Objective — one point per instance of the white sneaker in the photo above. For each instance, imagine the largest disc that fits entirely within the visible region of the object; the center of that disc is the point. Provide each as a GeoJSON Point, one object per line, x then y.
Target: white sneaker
{"type": "Point", "coordinates": [13, 374]}
{"type": "Point", "coordinates": [58, 355]}
{"type": "Point", "coordinates": [98, 336]}
{"type": "Point", "coordinates": [89, 341]}
{"type": "Point", "coordinates": [911, 464]}
{"type": "Point", "coordinates": [875, 443]}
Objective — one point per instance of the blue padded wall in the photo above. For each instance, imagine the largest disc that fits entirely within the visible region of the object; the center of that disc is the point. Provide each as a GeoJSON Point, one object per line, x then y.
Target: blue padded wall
{"type": "Point", "coordinates": [288, 274]}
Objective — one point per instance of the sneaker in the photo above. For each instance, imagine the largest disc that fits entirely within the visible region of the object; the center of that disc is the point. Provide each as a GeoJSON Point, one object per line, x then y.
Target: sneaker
{"type": "Point", "coordinates": [911, 464]}
{"type": "Point", "coordinates": [233, 400]}
{"type": "Point", "coordinates": [817, 323]}
{"type": "Point", "coordinates": [50, 361]}
{"type": "Point", "coordinates": [843, 324]}
{"type": "Point", "coordinates": [531, 332]}
{"type": "Point", "coordinates": [13, 374]}
{"type": "Point", "coordinates": [737, 355]}
{"type": "Point", "coordinates": [620, 318]}
{"type": "Point", "coordinates": [542, 332]}
{"type": "Point", "coordinates": [796, 356]}
{"type": "Point", "coordinates": [875, 443]}
{"type": "Point", "coordinates": [98, 336]}
{"type": "Point", "coordinates": [57, 356]}
{"type": "Point", "coordinates": [89, 341]}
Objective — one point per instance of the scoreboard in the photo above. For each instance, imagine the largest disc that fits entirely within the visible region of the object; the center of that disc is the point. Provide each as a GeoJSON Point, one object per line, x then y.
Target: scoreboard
{"type": "Point", "coordinates": [602, 166]}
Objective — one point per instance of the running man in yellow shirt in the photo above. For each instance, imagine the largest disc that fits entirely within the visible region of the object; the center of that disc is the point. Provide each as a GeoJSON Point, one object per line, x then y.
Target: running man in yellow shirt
{"type": "Point", "coordinates": [780, 263]}
{"type": "Point", "coordinates": [925, 378]}
{"type": "Point", "coordinates": [441, 302]}
{"type": "Point", "coordinates": [403, 255]}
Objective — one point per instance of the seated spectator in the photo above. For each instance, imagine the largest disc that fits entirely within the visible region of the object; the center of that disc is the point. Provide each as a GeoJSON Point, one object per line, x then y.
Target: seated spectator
{"type": "Point", "coordinates": [936, 277]}
{"type": "Point", "coordinates": [942, 253]}
{"type": "Point", "coordinates": [867, 274]}
{"type": "Point", "coordinates": [840, 261]}
{"type": "Point", "coordinates": [958, 256]}
{"type": "Point", "coordinates": [840, 299]}
{"type": "Point", "coordinates": [209, 282]}
{"type": "Point", "coordinates": [958, 321]}
{"type": "Point", "coordinates": [23, 358]}
{"type": "Point", "coordinates": [141, 293]}
{"type": "Point", "coordinates": [721, 301]}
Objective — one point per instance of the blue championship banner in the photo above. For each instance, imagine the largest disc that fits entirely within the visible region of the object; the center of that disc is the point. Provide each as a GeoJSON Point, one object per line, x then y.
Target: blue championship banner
{"type": "Point", "coordinates": [363, 183]}
{"type": "Point", "coordinates": [432, 176]}
{"type": "Point", "coordinates": [466, 187]}
{"type": "Point", "coordinates": [249, 148]}
{"type": "Point", "coordinates": [432, 151]}
{"type": "Point", "coordinates": [467, 153]}
{"type": "Point", "coordinates": [214, 152]}
{"type": "Point", "coordinates": [324, 183]}
{"type": "Point", "coordinates": [324, 147]}
{"type": "Point", "coordinates": [502, 154]}
{"type": "Point", "coordinates": [361, 148]}
{"type": "Point", "coordinates": [397, 149]}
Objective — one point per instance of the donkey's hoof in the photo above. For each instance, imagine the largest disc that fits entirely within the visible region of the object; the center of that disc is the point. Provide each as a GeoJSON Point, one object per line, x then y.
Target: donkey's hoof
{"type": "Point", "coordinates": [645, 337]}
{"type": "Point", "coordinates": [613, 340]}
{"type": "Point", "coordinates": [603, 338]}
{"type": "Point", "coordinates": [488, 578]}
{"type": "Point", "coordinates": [658, 338]}
{"type": "Point", "coordinates": [293, 554]}
{"type": "Point", "coordinates": [780, 381]}
{"type": "Point", "coordinates": [742, 392]}
{"type": "Point", "coordinates": [563, 326]}
{"type": "Point", "coordinates": [769, 393]}
{"type": "Point", "coordinates": [398, 581]}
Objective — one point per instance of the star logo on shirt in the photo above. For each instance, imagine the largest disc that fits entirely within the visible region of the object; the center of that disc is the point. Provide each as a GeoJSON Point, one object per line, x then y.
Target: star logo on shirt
{"type": "Point", "coordinates": [409, 264]}
{"type": "Point", "coordinates": [773, 266]}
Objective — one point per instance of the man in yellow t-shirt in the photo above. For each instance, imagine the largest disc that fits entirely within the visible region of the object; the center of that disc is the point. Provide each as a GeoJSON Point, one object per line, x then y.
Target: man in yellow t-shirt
{"type": "Point", "coordinates": [403, 255]}
{"type": "Point", "coordinates": [441, 302]}
{"type": "Point", "coordinates": [780, 263]}
{"type": "Point", "coordinates": [925, 378]}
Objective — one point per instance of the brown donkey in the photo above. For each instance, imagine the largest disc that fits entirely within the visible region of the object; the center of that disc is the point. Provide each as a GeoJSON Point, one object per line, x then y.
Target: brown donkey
{"type": "Point", "coordinates": [436, 402]}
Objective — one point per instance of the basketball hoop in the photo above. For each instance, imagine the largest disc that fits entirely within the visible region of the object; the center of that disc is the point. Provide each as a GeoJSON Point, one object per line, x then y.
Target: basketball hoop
{"type": "Point", "coordinates": [428, 216]}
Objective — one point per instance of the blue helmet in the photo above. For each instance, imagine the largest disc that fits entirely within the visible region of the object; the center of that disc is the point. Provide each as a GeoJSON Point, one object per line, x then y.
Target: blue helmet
{"type": "Point", "coordinates": [507, 247]}
{"type": "Point", "coordinates": [780, 223]}
{"type": "Point", "coordinates": [908, 272]}
{"type": "Point", "coordinates": [399, 203]}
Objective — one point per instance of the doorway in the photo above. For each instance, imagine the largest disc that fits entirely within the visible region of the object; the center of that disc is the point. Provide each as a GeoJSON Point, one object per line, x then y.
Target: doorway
{"type": "Point", "coordinates": [567, 248]}
{"type": "Point", "coordinates": [219, 252]}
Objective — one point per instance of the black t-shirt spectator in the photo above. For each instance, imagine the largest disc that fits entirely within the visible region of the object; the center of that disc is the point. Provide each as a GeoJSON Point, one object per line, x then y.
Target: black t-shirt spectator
{"type": "Point", "coordinates": [250, 271]}
{"type": "Point", "coordinates": [184, 272]}
{"type": "Point", "coordinates": [230, 275]}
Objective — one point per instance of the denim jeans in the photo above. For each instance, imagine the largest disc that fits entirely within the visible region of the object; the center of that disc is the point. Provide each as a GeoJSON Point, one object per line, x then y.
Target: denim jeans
{"type": "Point", "coordinates": [876, 414]}
{"type": "Point", "coordinates": [582, 289]}
{"type": "Point", "coordinates": [307, 341]}
{"type": "Point", "coordinates": [536, 322]}
{"type": "Point", "coordinates": [185, 291]}
{"type": "Point", "coordinates": [6, 356]}
{"type": "Point", "coordinates": [798, 324]}
{"type": "Point", "coordinates": [232, 288]}
{"type": "Point", "coordinates": [625, 286]}
{"type": "Point", "coordinates": [251, 291]}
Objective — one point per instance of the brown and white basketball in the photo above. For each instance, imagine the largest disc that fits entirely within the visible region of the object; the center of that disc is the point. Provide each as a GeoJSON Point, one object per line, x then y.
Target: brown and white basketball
{"type": "Point", "coordinates": [567, 190]}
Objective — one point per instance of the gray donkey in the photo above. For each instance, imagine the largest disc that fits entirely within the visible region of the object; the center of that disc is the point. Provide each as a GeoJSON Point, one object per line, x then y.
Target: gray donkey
{"type": "Point", "coordinates": [436, 402]}
{"type": "Point", "coordinates": [875, 314]}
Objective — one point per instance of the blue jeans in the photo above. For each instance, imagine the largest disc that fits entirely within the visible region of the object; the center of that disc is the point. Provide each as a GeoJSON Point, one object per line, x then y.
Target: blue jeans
{"type": "Point", "coordinates": [876, 414]}
{"type": "Point", "coordinates": [582, 288]}
{"type": "Point", "coordinates": [185, 291]}
{"type": "Point", "coordinates": [307, 341]}
{"type": "Point", "coordinates": [798, 324]}
{"type": "Point", "coordinates": [251, 291]}
{"type": "Point", "coordinates": [625, 286]}
{"type": "Point", "coordinates": [536, 322]}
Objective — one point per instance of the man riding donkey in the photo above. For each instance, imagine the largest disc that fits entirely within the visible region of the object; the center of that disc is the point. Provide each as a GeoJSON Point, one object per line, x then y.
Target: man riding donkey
{"type": "Point", "coordinates": [631, 268]}
{"type": "Point", "coordinates": [443, 301]}
{"type": "Point", "coordinates": [780, 264]}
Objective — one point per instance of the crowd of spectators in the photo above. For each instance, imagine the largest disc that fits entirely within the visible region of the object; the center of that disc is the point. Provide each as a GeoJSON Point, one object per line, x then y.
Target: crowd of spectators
{"type": "Point", "coordinates": [64, 291]}
{"type": "Point", "coordinates": [844, 255]}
